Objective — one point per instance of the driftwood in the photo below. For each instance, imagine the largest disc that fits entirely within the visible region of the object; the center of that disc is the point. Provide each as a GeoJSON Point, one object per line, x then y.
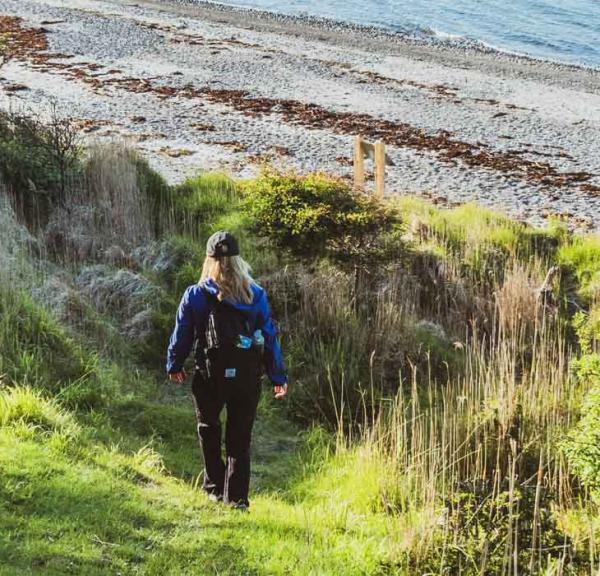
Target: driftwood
{"type": "Point", "coordinates": [545, 296]}
{"type": "Point", "coordinates": [546, 288]}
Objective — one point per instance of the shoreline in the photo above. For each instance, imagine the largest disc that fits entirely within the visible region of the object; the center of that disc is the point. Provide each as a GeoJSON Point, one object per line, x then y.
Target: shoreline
{"type": "Point", "coordinates": [420, 37]}
{"type": "Point", "coordinates": [469, 54]}
{"type": "Point", "coordinates": [204, 88]}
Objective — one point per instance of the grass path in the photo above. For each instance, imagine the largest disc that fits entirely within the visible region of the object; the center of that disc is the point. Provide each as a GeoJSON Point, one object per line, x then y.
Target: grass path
{"type": "Point", "coordinates": [81, 500]}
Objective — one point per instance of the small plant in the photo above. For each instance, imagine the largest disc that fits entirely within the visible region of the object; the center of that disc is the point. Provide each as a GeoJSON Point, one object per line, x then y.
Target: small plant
{"type": "Point", "coordinates": [583, 442]}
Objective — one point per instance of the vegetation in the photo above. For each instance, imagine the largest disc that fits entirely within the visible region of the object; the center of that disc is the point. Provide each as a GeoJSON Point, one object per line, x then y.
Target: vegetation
{"type": "Point", "coordinates": [37, 160]}
{"type": "Point", "coordinates": [583, 442]}
{"type": "Point", "coordinates": [583, 446]}
{"type": "Point", "coordinates": [43, 355]}
{"type": "Point", "coordinates": [318, 216]}
{"type": "Point", "coordinates": [443, 416]}
{"type": "Point", "coordinates": [581, 257]}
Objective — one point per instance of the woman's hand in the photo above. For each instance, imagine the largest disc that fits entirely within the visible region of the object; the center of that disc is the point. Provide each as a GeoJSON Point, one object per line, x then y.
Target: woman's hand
{"type": "Point", "coordinates": [178, 377]}
{"type": "Point", "coordinates": [280, 391]}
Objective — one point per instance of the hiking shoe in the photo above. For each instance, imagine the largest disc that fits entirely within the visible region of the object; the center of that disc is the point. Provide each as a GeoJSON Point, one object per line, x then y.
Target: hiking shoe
{"type": "Point", "coordinates": [215, 497]}
{"type": "Point", "coordinates": [239, 506]}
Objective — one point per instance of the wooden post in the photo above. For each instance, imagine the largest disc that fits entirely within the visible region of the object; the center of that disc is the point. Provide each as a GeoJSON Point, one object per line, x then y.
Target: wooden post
{"type": "Point", "coordinates": [379, 169]}
{"type": "Point", "coordinates": [359, 164]}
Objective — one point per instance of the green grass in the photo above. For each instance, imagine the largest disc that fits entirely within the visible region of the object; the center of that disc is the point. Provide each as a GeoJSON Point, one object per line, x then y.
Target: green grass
{"type": "Point", "coordinates": [476, 233]}
{"type": "Point", "coordinates": [99, 461]}
{"type": "Point", "coordinates": [36, 349]}
{"type": "Point", "coordinates": [72, 503]}
{"type": "Point", "coordinates": [113, 487]}
{"type": "Point", "coordinates": [581, 257]}
{"type": "Point", "coordinates": [200, 201]}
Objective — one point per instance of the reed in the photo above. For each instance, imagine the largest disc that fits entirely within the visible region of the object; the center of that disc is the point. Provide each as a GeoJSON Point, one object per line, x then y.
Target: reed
{"type": "Point", "coordinates": [476, 455]}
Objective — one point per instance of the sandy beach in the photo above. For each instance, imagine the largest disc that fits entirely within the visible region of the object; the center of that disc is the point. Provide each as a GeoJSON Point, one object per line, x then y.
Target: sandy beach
{"type": "Point", "coordinates": [201, 87]}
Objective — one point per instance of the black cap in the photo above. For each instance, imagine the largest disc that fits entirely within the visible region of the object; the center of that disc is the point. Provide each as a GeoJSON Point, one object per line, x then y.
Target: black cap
{"type": "Point", "coordinates": [222, 244]}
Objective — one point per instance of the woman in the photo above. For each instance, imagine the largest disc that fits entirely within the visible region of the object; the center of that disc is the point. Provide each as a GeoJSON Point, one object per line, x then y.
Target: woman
{"type": "Point", "coordinates": [226, 315]}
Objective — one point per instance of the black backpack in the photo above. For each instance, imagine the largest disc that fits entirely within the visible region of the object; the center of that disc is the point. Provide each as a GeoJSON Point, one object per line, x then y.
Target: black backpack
{"type": "Point", "coordinates": [224, 356]}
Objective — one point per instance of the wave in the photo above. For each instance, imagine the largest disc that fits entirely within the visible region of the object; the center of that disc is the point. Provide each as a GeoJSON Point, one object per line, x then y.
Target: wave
{"type": "Point", "coordinates": [527, 42]}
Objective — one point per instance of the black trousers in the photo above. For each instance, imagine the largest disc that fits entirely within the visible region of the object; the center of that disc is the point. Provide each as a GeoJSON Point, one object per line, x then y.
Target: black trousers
{"type": "Point", "coordinates": [240, 396]}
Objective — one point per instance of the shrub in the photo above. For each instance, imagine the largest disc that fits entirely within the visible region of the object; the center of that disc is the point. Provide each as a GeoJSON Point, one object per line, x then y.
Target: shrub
{"type": "Point", "coordinates": [36, 161]}
{"type": "Point", "coordinates": [317, 216]}
{"type": "Point", "coordinates": [480, 521]}
{"type": "Point", "coordinates": [582, 445]}
{"type": "Point", "coordinates": [583, 442]}
{"type": "Point", "coordinates": [589, 333]}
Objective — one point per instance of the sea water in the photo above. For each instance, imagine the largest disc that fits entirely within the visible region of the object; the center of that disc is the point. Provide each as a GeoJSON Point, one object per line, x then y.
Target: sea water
{"type": "Point", "coordinates": [561, 30]}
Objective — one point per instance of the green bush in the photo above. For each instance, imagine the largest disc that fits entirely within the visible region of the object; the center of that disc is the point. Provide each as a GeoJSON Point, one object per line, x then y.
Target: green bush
{"type": "Point", "coordinates": [583, 443]}
{"type": "Point", "coordinates": [36, 160]}
{"type": "Point", "coordinates": [587, 329]}
{"type": "Point", "coordinates": [317, 216]}
{"type": "Point", "coordinates": [481, 519]}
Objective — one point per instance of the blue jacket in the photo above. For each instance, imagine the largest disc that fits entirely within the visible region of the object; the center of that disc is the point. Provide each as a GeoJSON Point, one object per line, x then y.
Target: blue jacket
{"type": "Point", "coordinates": [191, 321]}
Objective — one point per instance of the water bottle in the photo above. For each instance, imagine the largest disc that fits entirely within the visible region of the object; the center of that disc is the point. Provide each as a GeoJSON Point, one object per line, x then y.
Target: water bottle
{"type": "Point", "coordinates": [244, 342]}
{"type": "Point", "coordinates": [259, 341]}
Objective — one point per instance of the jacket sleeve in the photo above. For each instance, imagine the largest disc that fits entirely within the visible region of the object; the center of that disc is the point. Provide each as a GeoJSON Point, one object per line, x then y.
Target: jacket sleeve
{"type": "Point", "coordinates": [182, 338]}
{"type": "Point", "coordinates": [274, 364]}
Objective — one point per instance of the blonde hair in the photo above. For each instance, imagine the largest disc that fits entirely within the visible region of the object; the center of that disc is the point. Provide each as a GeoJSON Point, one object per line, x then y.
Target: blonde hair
{"type": "Point", "coordinates": [232, 274]}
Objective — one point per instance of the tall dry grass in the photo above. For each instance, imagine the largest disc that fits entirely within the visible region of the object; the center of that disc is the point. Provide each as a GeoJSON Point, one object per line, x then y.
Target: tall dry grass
{"type": "Point", "coordinates": [113, 189]}
{"type": "Point", "coordinates": [475, 457]}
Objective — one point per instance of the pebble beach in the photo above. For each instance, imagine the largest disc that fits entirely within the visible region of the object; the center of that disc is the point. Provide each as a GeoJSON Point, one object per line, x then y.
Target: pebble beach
{"type": "Point", "coordinates": [198, 86]}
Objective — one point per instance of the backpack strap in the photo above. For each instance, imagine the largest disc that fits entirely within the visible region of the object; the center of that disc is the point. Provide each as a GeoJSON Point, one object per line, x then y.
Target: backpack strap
{"type": "Point", "coordinates": [210, 332]}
